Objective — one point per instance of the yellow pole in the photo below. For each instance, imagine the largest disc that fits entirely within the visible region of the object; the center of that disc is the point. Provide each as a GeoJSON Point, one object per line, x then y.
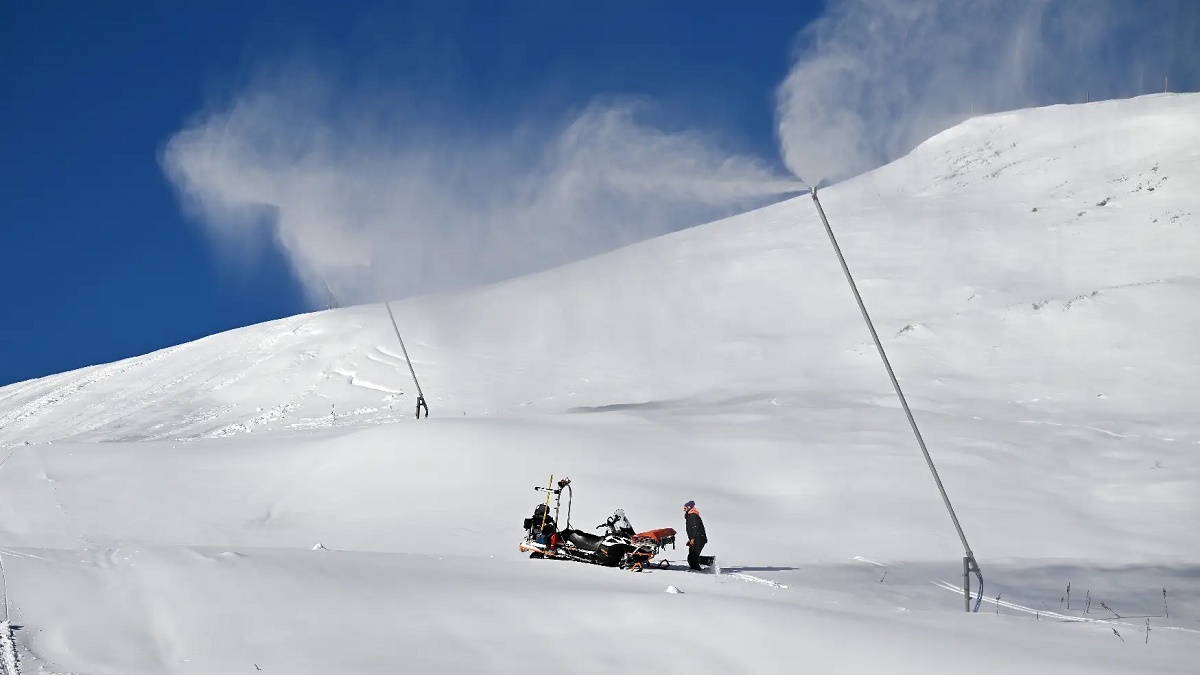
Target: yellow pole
{"type": "Point", "coordinates": [546, 512]}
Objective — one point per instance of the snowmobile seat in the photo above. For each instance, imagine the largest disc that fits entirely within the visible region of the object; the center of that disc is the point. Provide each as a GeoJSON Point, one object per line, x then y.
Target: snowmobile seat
{"type": "Point", "coordinates": [661, 537]}
{"type": "Point", "coordinates": [584, 540]}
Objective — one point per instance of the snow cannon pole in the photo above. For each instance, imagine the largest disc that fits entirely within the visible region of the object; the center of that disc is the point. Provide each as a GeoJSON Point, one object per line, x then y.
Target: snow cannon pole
{"type": "Point", "coordinates": [420, 395]}
{"type": "Point", "coordinates": [969, 564]}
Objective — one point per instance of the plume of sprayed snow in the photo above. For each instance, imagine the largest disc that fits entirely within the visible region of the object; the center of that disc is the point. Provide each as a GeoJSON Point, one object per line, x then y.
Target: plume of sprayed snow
{"type": "Point", "coordinates": [348, 185]}
{"type": "Point", "coordinates": [874, 78]}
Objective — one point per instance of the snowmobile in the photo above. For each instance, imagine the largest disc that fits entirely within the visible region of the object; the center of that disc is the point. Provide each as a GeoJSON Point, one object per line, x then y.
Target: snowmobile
{"type": "Point", "coordinates": [618, 546]}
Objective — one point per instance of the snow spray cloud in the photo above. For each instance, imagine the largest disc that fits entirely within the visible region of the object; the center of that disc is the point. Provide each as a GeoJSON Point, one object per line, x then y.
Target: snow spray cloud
{"type": "Point", "coordinates": [349, 182]}
{"type": "Point", "coordinates": [873, 78]}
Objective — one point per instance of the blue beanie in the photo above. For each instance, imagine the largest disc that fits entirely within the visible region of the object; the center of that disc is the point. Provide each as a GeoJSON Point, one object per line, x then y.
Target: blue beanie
{"type": "Point", "coordinates": [689, 505]}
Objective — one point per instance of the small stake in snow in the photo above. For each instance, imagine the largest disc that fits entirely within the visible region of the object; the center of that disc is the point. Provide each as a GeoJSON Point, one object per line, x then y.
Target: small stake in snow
{"type": "Point", "coordinates": [970, 566]}
{"type": "Point", "coordinates": [998, 603]}
{"type": "Point", "coordinates": [1118, 634]}
{"type": "Point", "coordinates": [1088, 609]}
{"type": "Point", "coordinates": [1147, 631]}
{"type": "Point", "coordinates": [1068, 595]}
{"type": "Point", "coordinates": [883, 577]}
{"type": "Point", "coordinates": [1110, 609]}
{"type": "Point", "coordinates": [1165, 604]}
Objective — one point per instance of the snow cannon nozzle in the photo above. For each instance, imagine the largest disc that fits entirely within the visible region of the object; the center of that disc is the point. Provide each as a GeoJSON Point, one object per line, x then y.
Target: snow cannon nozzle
{"type": "Point", "coordinates": [564, 482]}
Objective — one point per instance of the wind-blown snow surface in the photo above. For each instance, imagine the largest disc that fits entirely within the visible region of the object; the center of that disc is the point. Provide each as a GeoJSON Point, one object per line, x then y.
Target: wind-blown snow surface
{"type": "Point", "coordinates": [1033, 275]}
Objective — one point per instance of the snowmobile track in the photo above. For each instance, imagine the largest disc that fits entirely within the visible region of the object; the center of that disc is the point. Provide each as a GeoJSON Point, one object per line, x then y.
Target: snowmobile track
{"type": "Point", "coordinates": [1050, 614]}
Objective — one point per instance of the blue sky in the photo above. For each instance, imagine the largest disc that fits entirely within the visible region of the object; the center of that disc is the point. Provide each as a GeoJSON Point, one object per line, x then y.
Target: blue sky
{"type": "Point", "coordinates": [98, 261]}
{"type": "Point", "coordinates": [105, 254]}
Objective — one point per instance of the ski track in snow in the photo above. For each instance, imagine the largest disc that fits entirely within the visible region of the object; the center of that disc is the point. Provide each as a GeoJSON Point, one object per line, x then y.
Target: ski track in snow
{"type": "Point", "coordinates": [263, 347]}
{"type": "Point", "coordinates": [280, 411]}
{"type": "Point", "coordinates": [12, 450]}
{"type": "Point", "coordinates": [18, 554]}
{"type": "Point", "coordinates": [742, 576]}
{"type": "Point", "coordinates": [1106, 432]}
{"type": "Point", "coordinates": [87, 542]}
{"type": "Point", "coordinates": [1098, 430]}
{"type": "Point", "coordinates": [876, 563]}
{"type": "Point", "coordinates": [31, 411]}
{"type": "Point", "coordinates": [1057, 616]}
{"type": "Point", "coordinates": [179, 429]}
{"type": "Point", "coordinates": [277, 412]}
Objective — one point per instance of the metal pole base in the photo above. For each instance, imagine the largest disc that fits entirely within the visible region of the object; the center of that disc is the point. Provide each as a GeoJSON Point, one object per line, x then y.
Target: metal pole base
{"type": "Point", "coordinates": [967, 582]}
{"type": "Point", "coordinates": [971, 567]}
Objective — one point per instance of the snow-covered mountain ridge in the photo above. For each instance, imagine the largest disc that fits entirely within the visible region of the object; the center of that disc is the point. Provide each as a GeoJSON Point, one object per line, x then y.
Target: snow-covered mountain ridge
{"type": "Point", "coordinates": [1027, 227]}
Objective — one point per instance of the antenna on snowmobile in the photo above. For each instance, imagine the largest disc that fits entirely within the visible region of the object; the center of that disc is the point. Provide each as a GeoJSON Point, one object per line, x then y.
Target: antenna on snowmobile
{"type": "Point", "coordinates": [563, 484]}
{"type": "Point", "coordinates": [969, 564]}
{"type": "Point", "coordinates": [546, 511]}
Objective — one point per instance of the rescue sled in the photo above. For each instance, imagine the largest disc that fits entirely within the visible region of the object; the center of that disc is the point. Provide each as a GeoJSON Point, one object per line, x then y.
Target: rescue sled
{"type": "Point", "coordinates": [619, 545]}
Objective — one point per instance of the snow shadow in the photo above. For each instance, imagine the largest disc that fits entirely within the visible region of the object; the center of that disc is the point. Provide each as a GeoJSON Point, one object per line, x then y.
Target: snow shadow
{"type": "Point", "coordinates": [1167, 594]}
{"type": "Point", "coordinates": [749, 568]}
{"type": "Point", "coordinates": [625, 407]}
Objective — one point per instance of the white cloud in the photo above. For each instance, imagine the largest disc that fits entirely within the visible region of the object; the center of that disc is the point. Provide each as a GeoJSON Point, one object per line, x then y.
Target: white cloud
{"type": "Point", "coordinates": [347, 179]}
{"type": "Point", "coordinates": [353, 181]}
{"type": "Point", "coordinates": [873, 78]}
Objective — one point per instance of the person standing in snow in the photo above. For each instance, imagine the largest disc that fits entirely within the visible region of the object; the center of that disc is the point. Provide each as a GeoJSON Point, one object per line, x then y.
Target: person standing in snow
{"type": "Point", "coordinates": [697, 538]}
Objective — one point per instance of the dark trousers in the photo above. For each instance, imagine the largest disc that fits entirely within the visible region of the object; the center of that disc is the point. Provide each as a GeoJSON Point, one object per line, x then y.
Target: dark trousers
{"type": "Point", "coordinates": [694, 553]}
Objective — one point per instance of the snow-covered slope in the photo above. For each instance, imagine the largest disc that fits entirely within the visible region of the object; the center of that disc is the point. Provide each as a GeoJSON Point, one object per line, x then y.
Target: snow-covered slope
{"type": "Point", "coordinates": [1033, 275]}
{"type": "Point", "coordinates": [1028, 252]}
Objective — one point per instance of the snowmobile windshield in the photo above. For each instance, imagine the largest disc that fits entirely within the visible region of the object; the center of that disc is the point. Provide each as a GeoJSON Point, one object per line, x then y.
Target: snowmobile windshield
{"type": "Point", "coordinates": [619, 523]}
